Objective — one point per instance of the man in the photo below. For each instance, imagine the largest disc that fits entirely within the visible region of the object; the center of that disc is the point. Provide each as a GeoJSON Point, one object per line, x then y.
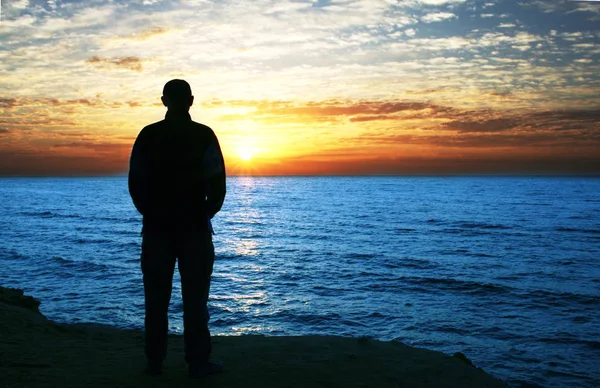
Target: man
{"type": "Point", "coordinates": [177, 183]}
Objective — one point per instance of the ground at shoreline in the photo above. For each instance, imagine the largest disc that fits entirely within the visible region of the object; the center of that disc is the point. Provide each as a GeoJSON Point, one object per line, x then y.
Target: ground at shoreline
{"type": "Point", "coordinates": [39, 353]}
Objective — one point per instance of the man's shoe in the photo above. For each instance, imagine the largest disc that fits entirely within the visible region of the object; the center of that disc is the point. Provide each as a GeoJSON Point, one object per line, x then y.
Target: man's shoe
{"type": "Point", "coordinates": [153, 368]}
{"type": "Point", "coordinates": [197, 370]}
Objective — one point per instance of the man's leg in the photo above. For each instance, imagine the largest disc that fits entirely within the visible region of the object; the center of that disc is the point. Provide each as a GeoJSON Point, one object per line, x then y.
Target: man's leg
{"type": "Point", "coordinates": [196, 257]}
{"type": "Point", "coordinates": [158, 264]}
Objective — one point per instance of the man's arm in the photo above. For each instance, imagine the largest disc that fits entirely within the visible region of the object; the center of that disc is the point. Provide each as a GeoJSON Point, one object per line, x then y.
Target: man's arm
{"type": "Point", "coordinates": [138, 174]}
{"type": "Point", "coordinates": [214, 177]}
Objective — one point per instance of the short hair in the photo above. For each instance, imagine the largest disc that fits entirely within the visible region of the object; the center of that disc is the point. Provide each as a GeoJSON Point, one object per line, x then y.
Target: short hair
{"type": "Point", "coordinates": [177, 90]}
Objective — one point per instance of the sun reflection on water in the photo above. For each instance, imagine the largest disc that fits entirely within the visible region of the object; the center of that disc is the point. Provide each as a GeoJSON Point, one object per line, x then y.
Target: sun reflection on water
{"type": "Point", "coordinates": [242, 330]}
{"type": "Point", "coordinates": [246, 247]}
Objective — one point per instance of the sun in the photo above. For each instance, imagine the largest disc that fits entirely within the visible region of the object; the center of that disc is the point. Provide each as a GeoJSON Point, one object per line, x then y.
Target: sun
{"type": "Point", "coordinates": [245, 153]}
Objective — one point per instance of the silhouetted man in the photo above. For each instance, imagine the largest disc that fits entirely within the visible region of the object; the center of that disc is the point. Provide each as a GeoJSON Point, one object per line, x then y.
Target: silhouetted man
{"type": "Point", "coordinates": [177, 183]}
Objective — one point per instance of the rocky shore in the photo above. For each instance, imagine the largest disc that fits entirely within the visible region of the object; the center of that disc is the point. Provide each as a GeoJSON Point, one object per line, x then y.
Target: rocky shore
{"type": "Point", "coordinates": [36, 352]}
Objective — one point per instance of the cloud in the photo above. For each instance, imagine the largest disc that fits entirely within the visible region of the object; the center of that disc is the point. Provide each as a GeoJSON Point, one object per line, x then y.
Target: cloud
{"type": "Point", "coordinates": [410, 32]}
{"type": "Point", "coordinates": [592, 7]}
{"type": "Point", "coordinates": [563, 120]}
{"type": "Point", "coordinates": [58, 161]}
{"type": "Point", "coordinates": [450, 118]}
{"type": "Point", "coordinates": [437, 17]}
{"type": "Point", "coordinates": [96, 146]}
{"type": "Point", "coordinates": [486, 125]}
{"type": "Point", "coordinates": [438, 165]}
{"type": "Point", "coordinates": [546, 123]}
{"type": "Point", "coordinates": [346, 109]}
{"type": "Point", "coordinates": [286, 7]}
{"type": "Point", "coordinates": [29, 102]}
{"type": "Point", "coordinates": [40, 121]}
{"type": "Point", "coordinates": [334, 110]}
{"type": "Point", "coordinates": [19, 4]}
{"type": "Point", "coordinates": [129, 63]}
{"type": "Point", "coordinates": [565, 6]}
{"type": "Point", "coordinates": [146, 34]}
{"type": "Point", "coordinates": [8, 103]}
{"type": "Point", "coordinates": [233, 52]}
{"type": "Point", "coordinates": [439, 2]}
{"type": "Point", "coordinates": [372, 118]}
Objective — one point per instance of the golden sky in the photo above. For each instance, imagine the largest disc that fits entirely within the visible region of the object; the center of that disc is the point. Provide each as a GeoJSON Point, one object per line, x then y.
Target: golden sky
{"type": "Point", "coordinates": [311, 87]}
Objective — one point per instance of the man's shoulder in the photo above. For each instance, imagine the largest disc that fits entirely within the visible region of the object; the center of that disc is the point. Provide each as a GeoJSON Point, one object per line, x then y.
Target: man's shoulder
{"type": "Point", "coordinates": [153, 126]}
{"type": "Point", "coordinates": [150, 128]}
{"type": "Point", "coordinates": [201, 127]}
{"type": "Point", "coordinates": [204, 132]}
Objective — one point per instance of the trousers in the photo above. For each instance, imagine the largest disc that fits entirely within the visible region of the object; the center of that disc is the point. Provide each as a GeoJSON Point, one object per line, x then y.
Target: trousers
{"type": "Point", "coordinates": [195, 254]}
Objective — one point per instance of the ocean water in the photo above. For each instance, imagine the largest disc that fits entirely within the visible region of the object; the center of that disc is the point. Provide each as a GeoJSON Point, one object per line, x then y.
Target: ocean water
{"type": "Point", "coordinates": [505, 270]}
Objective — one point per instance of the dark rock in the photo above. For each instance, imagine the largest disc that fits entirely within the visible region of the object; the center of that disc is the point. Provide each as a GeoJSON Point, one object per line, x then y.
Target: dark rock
{"type": "Point", "coordinates": [15, 297]}
{"type": "Point", "coordinates": [462, 357]}
{"type": "Point", "coordinates": [363, 340]}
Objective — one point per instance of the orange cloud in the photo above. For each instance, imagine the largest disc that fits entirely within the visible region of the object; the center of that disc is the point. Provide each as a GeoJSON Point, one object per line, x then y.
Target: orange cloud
{"type": "Point", "coordinates": [148, 33]}
{"type": "Point", "coordinates": [480, 165]}
{"type": "Point", "coordinates": [312, 138]}
{"type": "Point", "coordinates": [28, 102]}
{"type": "Point", "coordinates": [41, 120]}
{"type": "Point", "coordinates": [129, 63]}
{"type": "Point", "coordinates": [110, 160]}
{"type": "Point", "coordinates": [485, 125]}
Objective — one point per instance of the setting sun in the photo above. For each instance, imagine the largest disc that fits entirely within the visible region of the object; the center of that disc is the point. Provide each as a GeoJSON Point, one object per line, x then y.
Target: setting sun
{"type": "Point", "coordinates": [245, 153]}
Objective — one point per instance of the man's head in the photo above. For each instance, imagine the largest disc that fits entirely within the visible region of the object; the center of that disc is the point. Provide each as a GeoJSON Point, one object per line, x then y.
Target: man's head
{"type": "Point", "coordinates": [177, 95]}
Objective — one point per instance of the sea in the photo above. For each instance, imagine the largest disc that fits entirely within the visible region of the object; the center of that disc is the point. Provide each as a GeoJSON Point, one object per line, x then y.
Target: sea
{"type": "Point", "coordinates": [503, 269]}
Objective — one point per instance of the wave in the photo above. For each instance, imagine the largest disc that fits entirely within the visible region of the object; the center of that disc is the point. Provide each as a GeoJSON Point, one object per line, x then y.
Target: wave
{"type": "Point", "coordinates": [466, 252]}
{"type": "Point", "coordinates": [252, 236]}
{"type": "Point", "coordinates": [404, 230]}
{"type": "Point", "coordinates": [361, 255]}
{"type": "Point", "coordinates": [462, 225]}
{"type": "Point", "coordinates": [92, 241]}
{"type": "Point", "coordinates": [329, 291]}
{"type": "Point", "coordinates": [566, 229]}
{"type": "Point", "coordinates": [11, 254]}
{"type": "Point", "coordinates": [566, 338]}
{"type": "Point", "coordinates": [538, 298]}
{"type": "Point", "coordinates": [132, 233]}
{"type": "Point", "coordinates": [410, 262]}
{"type": "Point", "coordinates": [530, 203]}
{"type": "Point", "coordinates": [479, 225]}
{"type": "Point", "coordinates": [480, 255]}
{"type": "Point", "coordinates": [305, 318]}
{"type": "Point", "coordinates": [561, 299]}
{"type": "Point", "coordinates": [449, 284]}
{"type": "Point", "coordinates": [463, 232]}
{"type": "Point", "coordinates": [82, 266]}
{"type": "Point", "coordinates": [49, 214]}
{"type": "Point", "coordinates": [290, 276]}
{"type": "Point", "coordinates": [120, 219]}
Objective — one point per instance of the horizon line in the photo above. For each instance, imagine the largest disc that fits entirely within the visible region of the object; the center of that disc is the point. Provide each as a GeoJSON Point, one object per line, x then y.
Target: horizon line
{"type": "Point", "coordinates": [465, 175]}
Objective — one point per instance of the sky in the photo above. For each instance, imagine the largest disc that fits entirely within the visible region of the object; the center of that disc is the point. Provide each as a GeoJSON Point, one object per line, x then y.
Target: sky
{"type": "Point", "coordinates": [306, 87]}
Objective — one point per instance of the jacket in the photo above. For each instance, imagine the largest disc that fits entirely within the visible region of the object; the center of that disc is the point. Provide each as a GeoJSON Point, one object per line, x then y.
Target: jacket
{"type": "Point", "coordinates": [177, 175]}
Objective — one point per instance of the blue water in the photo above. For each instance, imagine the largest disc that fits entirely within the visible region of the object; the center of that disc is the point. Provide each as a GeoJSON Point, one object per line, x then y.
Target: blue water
{"type": "Point", "coordinates": [505, 270]}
